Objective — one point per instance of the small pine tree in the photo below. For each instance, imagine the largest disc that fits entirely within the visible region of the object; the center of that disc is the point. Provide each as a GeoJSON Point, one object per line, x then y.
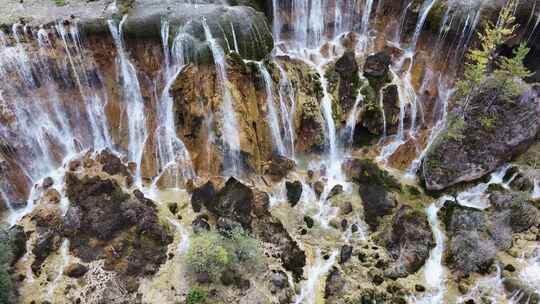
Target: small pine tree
{"type": "Point", "coordinates": [514, 66]}
{"type": "Point", "coordinates": [480, 61]}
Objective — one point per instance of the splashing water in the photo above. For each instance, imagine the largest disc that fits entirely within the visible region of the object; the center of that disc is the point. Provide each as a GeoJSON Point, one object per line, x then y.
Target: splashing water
{"type": "Point", "coordinates": [531, 272]}
{"type": "Point", "coordinates": [445, 93]}
{"type": "Point", "coordinates": [183, 244]}
{"type": "Point", "coordinates": [536, 190]}
{"type": "Point", "coordinates": [287, 104]}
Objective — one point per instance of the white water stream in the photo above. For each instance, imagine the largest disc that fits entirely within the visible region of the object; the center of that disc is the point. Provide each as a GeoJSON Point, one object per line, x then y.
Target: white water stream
{"type": "Point", "coordinates": [230, 130]}
{"type": "Point", "coordinates": [133, 100]}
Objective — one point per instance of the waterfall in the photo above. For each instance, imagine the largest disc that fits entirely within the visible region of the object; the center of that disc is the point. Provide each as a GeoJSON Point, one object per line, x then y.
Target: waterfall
{"type": "Point", "coordinates": [351, 121]}
{"type": "Point", "coordinates": [275, 128]}
{"type": "Point", "coordinates": [434, 274]}
{"type": "Point", "coordinates": [536, 190]}
{"type": "Point", "coordinates": [535, 26]}
{"type": "Point", "coordinates": [183, 244]}
{"type": "Point", "coordinates": [445, 93]}
{"type": "Point", "coordinates": [287, 104]}
{"type": "Point", "coordinates": [312, 21]}
{"type": "Point", "coordinates": [531, 272]}
{"type": "Point", "coordinates": [424, 12]}
{"type": "Point", "coordinates": [171, 150]}
{"type": "Point", "coordinates": [94, 100]}
{"type": "Point", "coordinates": [230, 124]}
{"type": "Point", "coordinates": [364, 27]}
{"type": "Point", "coordinates": [133, 100]}
{"type": "Point", "coordinates": [334, 165]}
{"type": "Point", "coordinates": [310, 288]}
{"type": "Point", "coordinates": [490, 289]}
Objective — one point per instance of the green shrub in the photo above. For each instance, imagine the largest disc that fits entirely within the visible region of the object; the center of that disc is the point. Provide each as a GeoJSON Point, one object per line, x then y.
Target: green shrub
{"type": "Point", "coordinates": [243, 246]}
{"type": "Point", "coordinates": [206, 253]}
{"type": "Point", "coordinates": [196, 296]}
{"type": "Point", "coordinates": [213, 253]}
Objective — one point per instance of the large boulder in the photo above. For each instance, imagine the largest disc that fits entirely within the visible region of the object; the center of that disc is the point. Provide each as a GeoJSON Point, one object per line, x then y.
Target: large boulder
{"type": "Point", "coordinates": [236, 203]}
{"type": "Point", "coordinates": [409, 240]}
{"type": "Point", "coordinates": [470, 247]}
{"type": "Point", "coordinates": [343, 82]}
{"type": "Point", "coordinates": [375, 187]}
{"type": "Point", "coordinates": [497, 123]}
{"type": "Point", "coordinates": [101, 216]}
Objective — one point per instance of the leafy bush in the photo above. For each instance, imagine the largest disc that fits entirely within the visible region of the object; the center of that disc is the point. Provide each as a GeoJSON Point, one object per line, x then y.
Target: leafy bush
{"type": "Point", "coordinates": [195, 296]}
{"type": "Point", "coordinates": [213, 253]}
{"type": "Point", "coordinates": [243, 246]}
{"type": "Point", "coordinates": [206, 254]}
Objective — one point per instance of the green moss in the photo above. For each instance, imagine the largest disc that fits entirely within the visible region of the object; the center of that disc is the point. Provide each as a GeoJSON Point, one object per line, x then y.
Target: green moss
{"type": "Point", "coordinates": [59, 2]}
{"type": "Point", "coordinates": [455, 129]}
{"type": "Point", "coordinates": [196, 296]}
{"type": "Point", "coordinates": [371, 174]}
{"type": "Point", "coordinates": [487, 122]}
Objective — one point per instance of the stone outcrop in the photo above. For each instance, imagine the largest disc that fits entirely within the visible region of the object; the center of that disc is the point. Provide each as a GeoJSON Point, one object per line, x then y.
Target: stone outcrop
{"type": "Point", "coordinates": [497, 123]}
{"type": "Point", "coordinates": [236, 203]}
{"type": "Point", "coordinates": [375, 186]}
{"type": "Point", "coordinates": [102, 222]}
{"type": "Point", "coordinates": [475, 236]}
{"type": "Point", "coordinates": [251, 29]}
{"type": "Point", "coordinates": [197, 92]}
{"type": "Point", "coordinates": [409, 240]}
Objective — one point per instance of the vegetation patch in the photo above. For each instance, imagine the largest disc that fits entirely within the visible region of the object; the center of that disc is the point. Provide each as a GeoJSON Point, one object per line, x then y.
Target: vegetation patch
{"type": "Point", "coordinates": [212, 253]}
{"type": "Point", "coordinates": [6, 280]}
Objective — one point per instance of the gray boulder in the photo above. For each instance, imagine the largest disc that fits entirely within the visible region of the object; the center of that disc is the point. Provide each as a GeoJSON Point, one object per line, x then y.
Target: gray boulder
{"type": "Point", "coordinates": [496, 124]}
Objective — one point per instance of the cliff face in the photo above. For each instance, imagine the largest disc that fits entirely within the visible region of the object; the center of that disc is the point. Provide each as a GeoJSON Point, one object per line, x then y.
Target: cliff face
{"type": "Point", "coordinates": [262, 152]}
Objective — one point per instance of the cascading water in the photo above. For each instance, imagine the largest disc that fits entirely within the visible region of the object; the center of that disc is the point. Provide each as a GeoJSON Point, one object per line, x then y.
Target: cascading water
{"type": "Point", "coordinates": [422, 16]}
{"type": "Point", "coordinates": [132, 96]}
{"type": "Point", "coordinates": [275, 128]}
{"type": "Point", "coordinates": [287, 104]}
{"type": "Point", "coordinates": [308, 292]}
{"type": "Point", "coordinates": [172, 153]}
{"type": "Point", "coordinates": [230, 125]}
{"type": "Point", "coordinates": [445, 93]}
{"type": "Point", "coordinates": [434, 273]}
{"type": "Point", "coordinates": [50, 127]}
{"type": "Point", "coordinates": [351, 121]}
